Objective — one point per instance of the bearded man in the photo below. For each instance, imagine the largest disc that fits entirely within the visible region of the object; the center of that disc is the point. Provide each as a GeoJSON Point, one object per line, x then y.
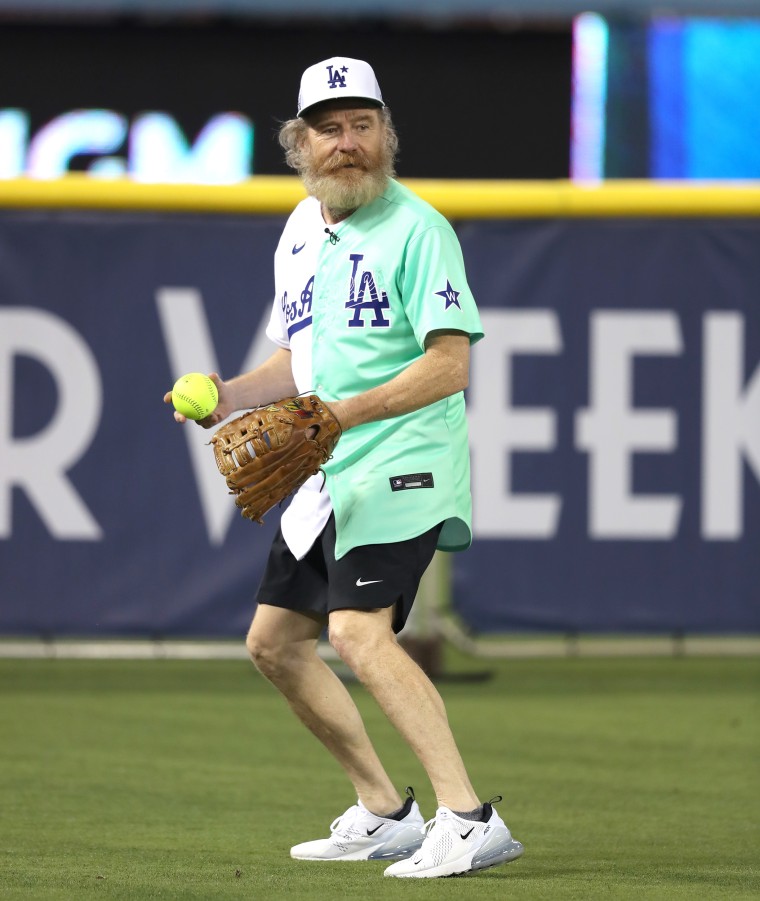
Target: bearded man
{"type": "Point", "coordinates": [372, 312]}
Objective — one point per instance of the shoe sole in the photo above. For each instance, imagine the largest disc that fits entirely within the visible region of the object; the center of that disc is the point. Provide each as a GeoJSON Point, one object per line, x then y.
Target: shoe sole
{"type": "Point", "coordinates": [376, 854]}
{"type": "Point", "coordinates": [511, 852]}
{"type": "Point", "coordinates": [388, 851]}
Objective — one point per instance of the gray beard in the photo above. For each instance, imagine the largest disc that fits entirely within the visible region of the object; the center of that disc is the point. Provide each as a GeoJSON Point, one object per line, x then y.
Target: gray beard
{"type": "Point", "coordinates": [346, 190]}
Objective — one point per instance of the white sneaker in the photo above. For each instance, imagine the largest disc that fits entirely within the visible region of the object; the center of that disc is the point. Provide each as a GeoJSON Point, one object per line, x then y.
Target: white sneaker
{"type": "Point", "coordinates": [454, 845]}
{"type": "Point", "coordinates": [360, 835]}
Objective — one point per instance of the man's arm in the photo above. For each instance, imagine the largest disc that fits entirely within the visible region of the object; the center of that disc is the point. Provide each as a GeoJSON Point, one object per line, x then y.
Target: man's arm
{"type": "Point", "coordinates": [270, 381]}
{"type": "Point", "coordinates": [442, 370]}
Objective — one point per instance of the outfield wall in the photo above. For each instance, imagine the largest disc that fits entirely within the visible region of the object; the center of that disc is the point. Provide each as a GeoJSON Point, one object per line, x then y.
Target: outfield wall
{"type": "Point", "coordinates": [614, 405]}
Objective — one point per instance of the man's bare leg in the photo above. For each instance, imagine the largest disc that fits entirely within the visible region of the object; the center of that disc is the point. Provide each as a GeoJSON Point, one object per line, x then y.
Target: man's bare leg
{"type": "Point", "coordinates": [365, 641]}
{"type": "Point", "coordinates": [283, 645]}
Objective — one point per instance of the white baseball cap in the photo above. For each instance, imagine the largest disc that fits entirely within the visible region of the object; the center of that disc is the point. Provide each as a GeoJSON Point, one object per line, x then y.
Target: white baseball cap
{"type": "Point", "coordinates": [336, 78]}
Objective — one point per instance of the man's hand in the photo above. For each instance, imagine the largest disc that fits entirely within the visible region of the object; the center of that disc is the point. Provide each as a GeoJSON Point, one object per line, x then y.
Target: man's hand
{"type": "Point", "coordinates": [222, 410]}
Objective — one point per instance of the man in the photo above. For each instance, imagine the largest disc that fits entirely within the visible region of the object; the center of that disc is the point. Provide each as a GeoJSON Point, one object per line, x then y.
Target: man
{"type": "Point", "coordinates": [373, 313]}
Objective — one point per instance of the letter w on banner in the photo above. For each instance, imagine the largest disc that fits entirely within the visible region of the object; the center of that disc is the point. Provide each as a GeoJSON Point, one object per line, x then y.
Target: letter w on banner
{"type": "Point", "coordinates": [189, 347]}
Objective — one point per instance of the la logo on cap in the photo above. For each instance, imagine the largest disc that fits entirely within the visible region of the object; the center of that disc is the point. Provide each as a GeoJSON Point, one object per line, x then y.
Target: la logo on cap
{"type": "Point", "coordinates": [336, 78]}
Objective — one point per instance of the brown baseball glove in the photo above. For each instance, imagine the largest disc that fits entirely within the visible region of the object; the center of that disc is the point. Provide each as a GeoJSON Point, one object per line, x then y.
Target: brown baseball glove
{"type": "Point", "coordinates": [267, 454]}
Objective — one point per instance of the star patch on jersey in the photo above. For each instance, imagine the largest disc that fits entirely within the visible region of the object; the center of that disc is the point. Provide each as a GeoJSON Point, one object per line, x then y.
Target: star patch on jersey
{"type": "Point", "coordinates": [450, 296]}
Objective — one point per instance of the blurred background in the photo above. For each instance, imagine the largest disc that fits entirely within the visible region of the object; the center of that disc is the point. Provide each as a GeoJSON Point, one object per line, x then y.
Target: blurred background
{"type": "Point", "coordinates": [615, 405]}
{"type": "Point", "coordinates": [631, 88]}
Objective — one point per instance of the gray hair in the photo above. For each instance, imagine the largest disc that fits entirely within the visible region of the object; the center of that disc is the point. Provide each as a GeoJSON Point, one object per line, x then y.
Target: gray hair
{"type": "Point", "coordinates": [292, 135]}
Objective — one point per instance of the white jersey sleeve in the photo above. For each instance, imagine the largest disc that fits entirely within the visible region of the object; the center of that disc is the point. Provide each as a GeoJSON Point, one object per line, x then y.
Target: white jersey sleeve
{"type": "Point", "coordinates": [290, 321]}
{"type": "Point", "coordinates": [275, 329]}
{"type": "Point", "coordinates": [290, 327]}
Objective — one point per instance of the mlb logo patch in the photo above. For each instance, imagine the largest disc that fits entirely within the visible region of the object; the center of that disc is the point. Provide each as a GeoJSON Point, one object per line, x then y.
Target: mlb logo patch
{"type": "Point", "coordinates": [412, 480]}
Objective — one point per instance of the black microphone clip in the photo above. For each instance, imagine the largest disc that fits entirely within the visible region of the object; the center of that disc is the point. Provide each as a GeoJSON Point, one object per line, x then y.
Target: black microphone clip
{"type": "Point", "coordinates": [333, 237]}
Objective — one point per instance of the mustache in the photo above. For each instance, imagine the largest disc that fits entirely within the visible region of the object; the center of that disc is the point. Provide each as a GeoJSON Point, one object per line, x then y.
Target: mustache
{"type": "Point", "coordinates": [341, 159]}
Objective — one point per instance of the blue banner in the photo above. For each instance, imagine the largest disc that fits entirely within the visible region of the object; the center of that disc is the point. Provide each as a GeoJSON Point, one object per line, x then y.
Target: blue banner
{"type": "Point", "coordinates": [614, 409]}
{"type": "Point", "coordinates": [615, 413]}
{"type": "Point", "coordinates": [113, 518]}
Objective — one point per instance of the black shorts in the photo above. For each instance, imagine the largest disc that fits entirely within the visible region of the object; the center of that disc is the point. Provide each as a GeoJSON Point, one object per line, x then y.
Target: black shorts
{"type": "Point", "coordinates": [366, 578]}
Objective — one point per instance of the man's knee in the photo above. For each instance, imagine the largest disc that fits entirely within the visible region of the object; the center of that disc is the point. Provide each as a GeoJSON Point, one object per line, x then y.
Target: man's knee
{"type": "Point", "coordinates": [271, 657]}
{"type": "Point", "coordinates": [260, 651]}
{"type": "Point", "coordinates": [356, 635]}
{"type": "Point", "coordinates": [280, 641]}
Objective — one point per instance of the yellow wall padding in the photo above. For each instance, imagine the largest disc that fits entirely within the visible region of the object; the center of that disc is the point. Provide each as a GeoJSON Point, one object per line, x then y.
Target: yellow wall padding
{"type": "Point", "coordinates": [476, 199]}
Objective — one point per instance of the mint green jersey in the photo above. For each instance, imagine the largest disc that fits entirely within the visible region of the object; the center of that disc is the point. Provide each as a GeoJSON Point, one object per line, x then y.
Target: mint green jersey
{"type": "Point", "coordinates": [355, 305]}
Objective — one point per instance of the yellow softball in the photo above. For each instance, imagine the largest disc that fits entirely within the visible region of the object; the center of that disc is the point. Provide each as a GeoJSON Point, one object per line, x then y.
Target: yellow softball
{"type": "Point", "coordinates": [194, 395]}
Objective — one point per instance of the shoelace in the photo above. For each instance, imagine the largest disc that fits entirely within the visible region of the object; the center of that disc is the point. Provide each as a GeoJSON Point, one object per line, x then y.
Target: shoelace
{"type": "Point", "coordinates": [429, 826]}
{"type": "Point", "coordinates": [341, 828]}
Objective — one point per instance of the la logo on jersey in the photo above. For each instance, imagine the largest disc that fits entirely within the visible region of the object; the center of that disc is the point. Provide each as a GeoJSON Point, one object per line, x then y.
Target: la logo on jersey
{"type": "Point", "coordinates": [335, 79]}
{"type": "Point", "coordinates": [363, 296]}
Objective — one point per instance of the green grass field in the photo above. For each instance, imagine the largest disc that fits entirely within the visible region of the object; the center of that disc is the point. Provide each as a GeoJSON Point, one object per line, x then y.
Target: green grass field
{"type": "Point", "coordinates": [632, 778]}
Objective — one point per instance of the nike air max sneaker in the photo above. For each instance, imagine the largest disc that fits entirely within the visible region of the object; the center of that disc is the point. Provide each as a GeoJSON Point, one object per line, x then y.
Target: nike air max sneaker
{"type": "Point", "coordinates": [360, 835]}
{"type": "Point", "coordinates": [454, 845]}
